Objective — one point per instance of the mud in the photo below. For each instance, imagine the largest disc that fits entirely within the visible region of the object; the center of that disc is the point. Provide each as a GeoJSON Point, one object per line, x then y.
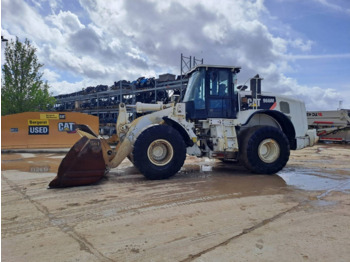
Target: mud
{"type": "Point", "coordinates": [209, 211]}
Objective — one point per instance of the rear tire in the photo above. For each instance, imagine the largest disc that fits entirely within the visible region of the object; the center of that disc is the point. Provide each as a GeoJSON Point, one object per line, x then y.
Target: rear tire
{"type": "Point", "coordinates": [264, 149]}
{"type": "Point", "coordinates": [159, 152]}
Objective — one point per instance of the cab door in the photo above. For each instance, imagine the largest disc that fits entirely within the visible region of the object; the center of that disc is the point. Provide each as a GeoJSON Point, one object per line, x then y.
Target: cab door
{"type": "Point", "coordinates": [220, 98]}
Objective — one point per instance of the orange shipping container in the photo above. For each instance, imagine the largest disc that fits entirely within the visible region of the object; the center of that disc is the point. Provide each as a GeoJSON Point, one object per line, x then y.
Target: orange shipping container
{"type": "Point", "coordinates": [43, 129]}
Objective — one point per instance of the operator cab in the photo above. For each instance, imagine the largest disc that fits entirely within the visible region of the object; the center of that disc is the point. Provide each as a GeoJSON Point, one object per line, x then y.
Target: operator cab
{"type": "Point", "coordinates": [211, 92]}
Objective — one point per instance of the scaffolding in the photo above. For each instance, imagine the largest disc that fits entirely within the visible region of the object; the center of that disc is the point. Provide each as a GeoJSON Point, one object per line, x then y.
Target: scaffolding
{"type": "Point", "coordinates": [186, 65]}
{"type": "Point", "coordinates": [104, 102]}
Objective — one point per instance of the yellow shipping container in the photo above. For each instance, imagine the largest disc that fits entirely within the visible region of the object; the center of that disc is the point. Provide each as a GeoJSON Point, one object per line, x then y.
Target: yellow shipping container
{"type": "Point", "coordinates": [43, 129]}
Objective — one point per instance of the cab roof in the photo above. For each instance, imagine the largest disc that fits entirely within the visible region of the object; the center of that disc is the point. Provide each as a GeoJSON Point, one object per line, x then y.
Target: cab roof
{"type": "Point", "coordinates": [233, 68]}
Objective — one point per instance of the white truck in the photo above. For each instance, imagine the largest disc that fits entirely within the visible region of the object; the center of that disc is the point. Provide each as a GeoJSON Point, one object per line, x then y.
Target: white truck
{"type": "Point", "coordinates": [332, 125]}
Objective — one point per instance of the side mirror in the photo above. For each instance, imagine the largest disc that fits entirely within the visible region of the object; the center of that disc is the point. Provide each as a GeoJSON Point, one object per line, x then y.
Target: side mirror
{"type": "Point", "coordinates": [242, 87]}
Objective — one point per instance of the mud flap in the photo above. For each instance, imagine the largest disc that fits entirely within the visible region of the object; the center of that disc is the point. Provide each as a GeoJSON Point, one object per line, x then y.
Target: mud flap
{"type": "Point", "coordinates": [83, 165]}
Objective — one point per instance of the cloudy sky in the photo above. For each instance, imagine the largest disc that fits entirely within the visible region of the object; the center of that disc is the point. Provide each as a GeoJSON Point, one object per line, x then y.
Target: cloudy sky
{"type": "Point", "coordinates": [300, 47]}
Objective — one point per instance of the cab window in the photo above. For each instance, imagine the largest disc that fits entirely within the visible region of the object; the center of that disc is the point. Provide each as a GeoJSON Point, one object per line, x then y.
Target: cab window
{"type": "Point", "coordinates": [218, 83]}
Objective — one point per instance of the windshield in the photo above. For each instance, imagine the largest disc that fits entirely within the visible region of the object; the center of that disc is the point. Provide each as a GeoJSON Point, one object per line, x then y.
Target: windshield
{"type": "Point", "coordinates": [196, 86]}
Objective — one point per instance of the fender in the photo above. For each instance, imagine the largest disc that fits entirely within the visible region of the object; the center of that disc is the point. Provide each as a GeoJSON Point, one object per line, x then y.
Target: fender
{"type": "Point", "coordinates": [133, 131]}
{"type": "Point", "coordinates": [181, 129]}
{"type": "Point", "coordinates": [285, 123]}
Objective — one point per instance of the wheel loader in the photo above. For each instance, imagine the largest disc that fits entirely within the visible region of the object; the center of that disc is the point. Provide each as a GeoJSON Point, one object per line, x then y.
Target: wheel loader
{"type": "Point", "coordinates": [216, 119]}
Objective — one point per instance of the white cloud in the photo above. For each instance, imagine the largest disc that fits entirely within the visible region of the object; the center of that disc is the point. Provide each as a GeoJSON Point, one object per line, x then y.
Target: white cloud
{"type": "Point", "coordinates": [315, 98]}
{"type": "Point", "coordinates": [301, 44]}
{"type": "Point", "coordinates": [24, 21]}
{"type": "Point", "coordinates": [322, 56]}
{"type": "Point", "coordinates": [50, 76]}
{"type": "Point", "coordinates": [127, 39]}
{"type": "Point", "coordinates": [53, 4]}
{"type": "Point", "coordinates": [333, 6]}
{"type": "Point", "coordinates": [66, 21]}
{"type": "Point", "coordinates": [65, 87]}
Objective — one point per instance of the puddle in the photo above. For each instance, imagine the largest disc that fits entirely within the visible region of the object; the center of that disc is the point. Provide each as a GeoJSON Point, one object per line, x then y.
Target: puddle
{"type": "Point", "coordinates": [239, 185]}
{"type": "Point", "coordinates": [33, 163]}
{"type": "Point", "coordinates": [216, 178]}
{"type": "Point", "coordinates": [313, 180]}
{"type": "Point", "coordinates": [210, 178]}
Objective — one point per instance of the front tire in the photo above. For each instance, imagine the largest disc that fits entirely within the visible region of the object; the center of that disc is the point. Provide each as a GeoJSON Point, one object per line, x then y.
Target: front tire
{"type": "Point", "coordinates": [159, 152]}
{"type": "Point", "coordinates": [264, 149]}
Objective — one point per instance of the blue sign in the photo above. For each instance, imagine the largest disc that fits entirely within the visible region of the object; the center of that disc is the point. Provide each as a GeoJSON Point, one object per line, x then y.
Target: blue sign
{"type": "Point", "coordinates": [38, 130]}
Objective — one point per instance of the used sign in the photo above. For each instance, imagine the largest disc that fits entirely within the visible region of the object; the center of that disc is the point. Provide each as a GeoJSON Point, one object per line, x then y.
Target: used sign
{"type": "Point", "coordinates": [38, 130]}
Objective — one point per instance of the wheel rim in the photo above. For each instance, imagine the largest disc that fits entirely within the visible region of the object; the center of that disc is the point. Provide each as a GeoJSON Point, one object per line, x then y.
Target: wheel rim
{"type": "Point", "coordinates": [160, 152]}
{"type": "Point", "coordinates": [269, 150]}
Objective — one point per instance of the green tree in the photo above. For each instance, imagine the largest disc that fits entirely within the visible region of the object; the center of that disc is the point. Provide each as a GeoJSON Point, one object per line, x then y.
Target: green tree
{"type": "Point", "coordinates": [22, 88]}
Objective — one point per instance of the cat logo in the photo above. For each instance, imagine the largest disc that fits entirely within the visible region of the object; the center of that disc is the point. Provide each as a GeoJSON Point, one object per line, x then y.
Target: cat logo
{"type": "Point", "coordinates": [66, 127]}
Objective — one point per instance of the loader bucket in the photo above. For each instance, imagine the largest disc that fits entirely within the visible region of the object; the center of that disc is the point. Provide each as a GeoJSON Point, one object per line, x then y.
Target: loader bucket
{"type": "Point", "coordinates": [83, 165]}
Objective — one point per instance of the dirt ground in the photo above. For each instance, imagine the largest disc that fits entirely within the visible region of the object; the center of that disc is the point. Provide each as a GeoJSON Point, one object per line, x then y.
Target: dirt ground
{"type": "Point", "coordinates": [209, 211]}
